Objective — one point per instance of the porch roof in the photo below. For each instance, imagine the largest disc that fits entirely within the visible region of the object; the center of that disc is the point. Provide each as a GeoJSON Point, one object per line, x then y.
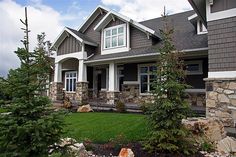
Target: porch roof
{"type": "Point", "coordinates": [140, 52]}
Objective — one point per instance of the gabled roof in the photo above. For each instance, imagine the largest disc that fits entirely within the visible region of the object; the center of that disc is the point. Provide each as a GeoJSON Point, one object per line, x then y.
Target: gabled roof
{"type": "Point", "coordinates": [98, 10]}
{"type": "Point", "coordinates": [110, 15]}
{"type": "Point", "coordinates": [185, 38]}
{"type": "Point", "coordinates": [79, 36]}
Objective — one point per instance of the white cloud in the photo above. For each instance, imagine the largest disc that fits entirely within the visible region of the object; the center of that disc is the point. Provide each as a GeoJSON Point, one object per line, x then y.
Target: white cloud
{"type": "Point", "coordinates": [146, 9]}
{"type": "Point", "coordinates": [42, 18]}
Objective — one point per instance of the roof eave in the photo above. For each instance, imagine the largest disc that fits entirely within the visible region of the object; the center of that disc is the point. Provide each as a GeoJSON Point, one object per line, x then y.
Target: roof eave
{"type": "Point", "coordinates": [200, 13]}
{"type": "Point", "coordinates": [90, 16]}
{"type": "Point", "coordinates": [109, 15]}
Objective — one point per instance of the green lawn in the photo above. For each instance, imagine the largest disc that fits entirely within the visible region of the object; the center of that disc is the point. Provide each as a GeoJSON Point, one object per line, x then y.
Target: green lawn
{"type": "Point", "coordinates": [102, 127]}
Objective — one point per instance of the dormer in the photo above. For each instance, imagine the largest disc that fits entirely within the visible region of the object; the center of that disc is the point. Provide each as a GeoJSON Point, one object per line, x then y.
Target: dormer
{"type": "Point", "coordinates": [115, 32]}
{"type": "Point", "coordinates": [198, 24]}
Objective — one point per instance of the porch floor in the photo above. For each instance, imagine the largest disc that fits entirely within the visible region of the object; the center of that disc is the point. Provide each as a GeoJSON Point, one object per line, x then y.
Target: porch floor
{"type": "Point", "coordinates": [130, 107]}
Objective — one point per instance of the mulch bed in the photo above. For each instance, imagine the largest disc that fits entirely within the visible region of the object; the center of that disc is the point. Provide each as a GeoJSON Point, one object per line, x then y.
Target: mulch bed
{"type": "Point", "coordinates": [111, 149]}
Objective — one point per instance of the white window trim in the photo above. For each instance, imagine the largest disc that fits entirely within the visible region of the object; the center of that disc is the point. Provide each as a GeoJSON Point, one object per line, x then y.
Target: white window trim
{"type": "Point", "coordinates": [110, 28]}
{"type": "Point", "coordinates": [68, 72]}
{"type": "Point", "coordinates": [116, 49]}
{"type": "Point", "coordinates": [220, 14]}
{"type": "Point", "coordinates": [204, 30]}
{"type": "Point", "coordinates": [139, 80]}
{"type": "Point", "coordinates": [200, 70]}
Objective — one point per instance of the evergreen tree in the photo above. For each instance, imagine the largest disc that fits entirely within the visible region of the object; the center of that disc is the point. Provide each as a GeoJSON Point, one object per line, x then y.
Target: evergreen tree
{"type": "Point", "coordinates": [32, 126]}
{"type": "Point", "coordinates": [169, 108]}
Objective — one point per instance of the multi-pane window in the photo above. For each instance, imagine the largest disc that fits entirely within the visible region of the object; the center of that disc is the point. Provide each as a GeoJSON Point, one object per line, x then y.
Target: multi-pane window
{"type": "Point", "coordinates": [114, 37]}
{"type": "Point", "coordinates": [70, 81]}
{"type": "Point", "coordinates": [147, 74]}
{"type": "Point", "coordinates": [194, 67]}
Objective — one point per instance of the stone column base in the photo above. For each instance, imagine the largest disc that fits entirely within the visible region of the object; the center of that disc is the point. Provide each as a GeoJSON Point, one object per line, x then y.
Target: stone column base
{"type": "Point", "coordinates": [112, 97]}
{"type": "Point", "coordinates": [221, 100]}
{"type": "Point", "coordinates": [56, 91]}
{"type": "Point", "coordinates": [82, 92]}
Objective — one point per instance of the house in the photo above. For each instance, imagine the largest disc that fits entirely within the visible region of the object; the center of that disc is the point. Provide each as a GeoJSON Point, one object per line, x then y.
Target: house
{"type": "Point", "coordinates": [111, 57]}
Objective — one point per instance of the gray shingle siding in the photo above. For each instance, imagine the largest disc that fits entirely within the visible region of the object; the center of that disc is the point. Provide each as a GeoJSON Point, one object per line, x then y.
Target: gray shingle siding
{"type": "Point", "coordinates": [69, 45]}
{"type": "Point", "coordinates": [222, 44]}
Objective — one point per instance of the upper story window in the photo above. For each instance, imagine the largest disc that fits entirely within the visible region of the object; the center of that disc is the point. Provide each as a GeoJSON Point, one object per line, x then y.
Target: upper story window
{"type": "Point", "coordinates": [115, 36]}
{"type": "Point", "coordinates": [201, 29]}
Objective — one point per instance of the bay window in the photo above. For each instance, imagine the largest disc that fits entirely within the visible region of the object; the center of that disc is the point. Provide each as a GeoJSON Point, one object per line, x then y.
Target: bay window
{"type": "Point", "coordinates": [147, 74]}
{"type": "Point", "coordinates": [114, 36]}
{"type": "Point", "coordinates": [70, 81]}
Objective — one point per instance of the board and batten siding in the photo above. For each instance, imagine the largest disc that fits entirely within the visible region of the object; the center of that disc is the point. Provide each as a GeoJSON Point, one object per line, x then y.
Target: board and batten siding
{"type": "Point", "coordinates": [222, 44]}
{"type": "Point", "coordinates": [221, 5]}
{"type": "Point", "coordinates": [114, 23]}
{"type": "Point", "coordinates": [94, 35]}
{"type": "Point", "coordinates": [69, 45]}
{"type": "Point", "coordinates": [138, 38]}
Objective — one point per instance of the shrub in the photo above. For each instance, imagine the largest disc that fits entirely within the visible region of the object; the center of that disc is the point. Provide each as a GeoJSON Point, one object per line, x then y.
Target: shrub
{"type": "Point", "coordinates": [120, 106]}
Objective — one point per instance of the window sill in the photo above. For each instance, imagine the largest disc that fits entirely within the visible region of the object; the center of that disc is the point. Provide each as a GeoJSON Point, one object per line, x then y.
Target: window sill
{"type": "Point", "coordinates": [145, 94]}
{"type": "Point", "coordinates": [67, 92]}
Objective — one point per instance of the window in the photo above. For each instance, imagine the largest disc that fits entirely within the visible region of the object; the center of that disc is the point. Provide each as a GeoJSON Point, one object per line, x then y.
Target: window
{"type": "Point", "coordinates": [201, 28]}
{"type": "Point", "coordinates": [146, 77]}
{"type": "Point", "coordinates": [194, 67]}
{"type": "Point", "coordinates": [70, 81]}
{"type": "Point", "coordinates": [114, 36]}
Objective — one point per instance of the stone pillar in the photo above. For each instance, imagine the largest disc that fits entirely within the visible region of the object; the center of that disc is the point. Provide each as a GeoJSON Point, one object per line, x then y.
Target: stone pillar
{"type": "Point", "coordinates": [112, 93]}
{"type": "Point", "coordinates": [112, 97]}
{"type": "Point", "coordinates": [221, 99]}
{"type": "Point", "coordinates": [56, 91]}
{"type": "Point", "coordinates": [82, 92]}
{"type": "Point", "coordinates": [56, 88]}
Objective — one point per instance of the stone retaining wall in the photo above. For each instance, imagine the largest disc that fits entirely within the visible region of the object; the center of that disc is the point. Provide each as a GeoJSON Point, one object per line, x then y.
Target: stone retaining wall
{"type": "Point", "coordinates": [221, 100]}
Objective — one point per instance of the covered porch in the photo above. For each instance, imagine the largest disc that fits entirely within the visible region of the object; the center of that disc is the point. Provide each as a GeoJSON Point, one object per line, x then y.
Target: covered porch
{"type": "Point", "coordinates": [129, 81]}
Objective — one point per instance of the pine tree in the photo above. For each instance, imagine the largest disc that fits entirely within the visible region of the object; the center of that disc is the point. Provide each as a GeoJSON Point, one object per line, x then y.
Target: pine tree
{"type": "Point", "coordinates": [32, 125]}
{"type": "Point", "coordinates": [169, 108]}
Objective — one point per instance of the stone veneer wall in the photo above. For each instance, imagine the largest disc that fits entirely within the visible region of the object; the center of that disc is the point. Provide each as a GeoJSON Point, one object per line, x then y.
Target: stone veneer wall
{"type": "Point", "coordinates": [82, 92]}
{"type": "Point", "coordinates": [56, 91]}
{"type": "Point", "coordinates": [112, 97]}
{"type": "Point", "coordinates": [221, 100]}
{"type": "Point", "coordinates": [196, 98]}
{"type": "Point", "coordinates": [71, 95]}
{"type": "Point", "coordinates": [130, 94]}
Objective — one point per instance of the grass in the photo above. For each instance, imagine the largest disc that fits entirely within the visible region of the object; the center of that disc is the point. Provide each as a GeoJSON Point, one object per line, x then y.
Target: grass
{"type": "Point", "coordinates": [103, 127]}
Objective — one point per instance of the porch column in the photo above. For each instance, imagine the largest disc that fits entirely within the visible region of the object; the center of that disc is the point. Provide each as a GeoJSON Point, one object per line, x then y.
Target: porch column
{"type": "Point", "coordinates": [112, 77]}
{"type": "Point", "coordinates": [57, 72]}
{"type": "Point", "coordinates": [56, 88]}
{"type": "Point", "coordinates": [82, 71]}
{"type": "Point", "coordinates": [112, 93]}
{"type": "Point", "coordinates": [82, 84]}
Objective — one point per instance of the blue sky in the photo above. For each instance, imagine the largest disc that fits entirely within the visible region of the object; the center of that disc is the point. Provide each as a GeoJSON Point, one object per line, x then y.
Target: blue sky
{"type": "Point", "coordinates": [50, 16]}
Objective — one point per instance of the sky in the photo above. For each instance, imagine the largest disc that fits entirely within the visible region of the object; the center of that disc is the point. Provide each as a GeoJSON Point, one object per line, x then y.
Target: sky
{"type": "Point", "coordinates": [51, 16]}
